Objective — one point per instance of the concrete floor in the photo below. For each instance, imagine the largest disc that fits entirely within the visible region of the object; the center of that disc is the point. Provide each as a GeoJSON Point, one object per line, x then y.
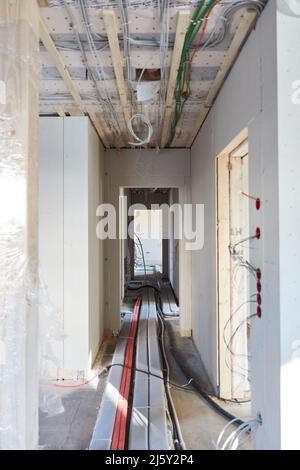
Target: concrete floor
{"type": "Point", "coordinates": [73, 428]}
{"type": "Point", "coordinates": [200, 424]}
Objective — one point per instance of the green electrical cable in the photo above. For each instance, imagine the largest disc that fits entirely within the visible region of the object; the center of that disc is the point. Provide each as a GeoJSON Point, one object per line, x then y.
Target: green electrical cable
{"type": "Point", "coordinates": [180, 94]}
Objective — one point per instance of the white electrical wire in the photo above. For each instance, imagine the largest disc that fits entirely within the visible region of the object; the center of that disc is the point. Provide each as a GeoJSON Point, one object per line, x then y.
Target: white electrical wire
{"type": "Point", "coordinates": [98, 64]}
{"type": "Point", "coordinates": [233, 441]}
{"type": "Point", "coordinates": [106, 113]}
{"type": "Point", "coordinates": [140, 142]}
{"type": "Point", "coordinates": [133, 4]}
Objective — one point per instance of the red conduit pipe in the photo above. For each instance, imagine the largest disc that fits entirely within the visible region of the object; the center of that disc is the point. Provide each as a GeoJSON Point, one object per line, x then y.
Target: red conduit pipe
{"type": "Point", "coordinates": [123, 414]}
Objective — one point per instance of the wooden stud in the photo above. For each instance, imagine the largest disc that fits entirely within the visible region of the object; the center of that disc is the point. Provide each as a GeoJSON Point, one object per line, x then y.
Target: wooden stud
{"type": "Point", "coordinates": [223, 273]}
{"type": "Point", "coordinates": [59, 63]}
{"type": "Point", "coordinates": [111, 25]}
{"type": "Point", "coordinates": [59, 110]}
{"type": "Point", "coordinates": [75, 111]}
{"type": "Point", "coordinates": [183, 19]}
{"type": "Point", "coordinates": [70, 84]}
{"type": "Point", "coordinates": [241, 34]}
{"type": "Point", "coordinates": [91, 110]}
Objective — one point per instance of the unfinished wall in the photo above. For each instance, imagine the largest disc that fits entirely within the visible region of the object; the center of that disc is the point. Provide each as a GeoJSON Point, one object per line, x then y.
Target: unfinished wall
{"type": "Point", "coordinates": [71, 256]}
{"type": "Point", "coordinates": [144, 169]}
{"type": "Point", "coordinates": [252, 98]}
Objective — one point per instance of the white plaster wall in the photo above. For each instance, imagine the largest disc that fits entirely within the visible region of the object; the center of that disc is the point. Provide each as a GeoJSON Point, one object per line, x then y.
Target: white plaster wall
{"type": "Point", "coordinates": [248, 99]}
{"type": "Point", "coordinates": [51, 183]}
{"type": "Point", "coordinates": [76, 244]}
{"type": "Point", "coordinates": [289, 222]}
{"type": "Point", "coordinates": [71, 256]}
{"type": "Point", "coordinates": [96, 247]}
{"type": "Point", "coordinates": [145, 169]}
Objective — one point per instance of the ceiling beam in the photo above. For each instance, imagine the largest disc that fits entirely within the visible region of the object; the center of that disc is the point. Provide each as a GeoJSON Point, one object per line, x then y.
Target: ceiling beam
{"type": "Point", "coordinates": [60, 110]}
{"type": "Point", "coordinates": [111, 25]}
{"type": "Point", "coordinates": [183, 20]}
{"type": "Point", "coordinates": [70, 84]}
{"type": "Point", "coordinates": [74, 111]}
{"type": "Point", "coordinates": [59, 63]}
{"type": "Point", "coordinates": [240, 36]}
{"type": "Point", "coordinates": [91, 110]}
{"type": "Point", "coordinates": [43, 3]}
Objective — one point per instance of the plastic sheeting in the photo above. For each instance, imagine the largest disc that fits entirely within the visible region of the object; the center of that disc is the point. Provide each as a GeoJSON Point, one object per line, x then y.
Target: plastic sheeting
{"type": "Point", "coordinates": [22, 298]}
{"type": "Point", "coordinates": [18, 255]}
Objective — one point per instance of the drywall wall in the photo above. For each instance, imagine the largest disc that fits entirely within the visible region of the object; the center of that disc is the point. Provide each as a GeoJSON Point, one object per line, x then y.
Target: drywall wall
{"type": "Point", "coordinates": [257, 96]}
{"type": "Point", "coordinates": [96, 247]}
{"type": "Point", "coordinates": [51, 184]}
{"type": "Point", "coordinates": [71, 256]}
{"type": "Point", "coordinates": [288, 26]}
{"type": "Point", "coordinates": [143, 169]}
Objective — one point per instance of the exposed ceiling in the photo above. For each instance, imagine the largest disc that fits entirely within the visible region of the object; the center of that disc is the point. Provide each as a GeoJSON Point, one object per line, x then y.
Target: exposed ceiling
{"type": "Point", "coordinates": [95, 54]}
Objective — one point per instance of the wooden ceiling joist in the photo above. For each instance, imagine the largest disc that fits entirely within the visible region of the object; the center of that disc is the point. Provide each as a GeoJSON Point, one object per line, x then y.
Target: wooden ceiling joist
{"type": "Point", "coordinates": [59, 63]}
{"type": "Point", "coordinates": [183, 20]}
{"type": "Point", "coordinates": [240, 36]}
{"type": "Point", "coordinates": [91, 110]}
{"type": "Point", "coordinates": [43, 3]}
{"type": "Point", "coordinates": [75, 111]}
{"type": "Point", "coordinates": [111, 25]}
{"type": "Point", "coordinates": [70, 84]}
{"type": "Point", "coordinates": [60, 110]}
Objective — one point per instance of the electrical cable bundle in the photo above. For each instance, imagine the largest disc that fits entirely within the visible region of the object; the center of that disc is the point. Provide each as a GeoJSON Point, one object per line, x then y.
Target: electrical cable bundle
{"type": "Point", "coordinates": [182, 90]}
{"type": "Point", "coordinates": [133, 4]}
{"type": "Point", "coordinates": [241, 263]}
{"type": "Point", "coordinates": [199, 24]}
{"type": "Point", "coordinates": [106, 98]}
{"type": "Point", "coordinates": [176, 431]}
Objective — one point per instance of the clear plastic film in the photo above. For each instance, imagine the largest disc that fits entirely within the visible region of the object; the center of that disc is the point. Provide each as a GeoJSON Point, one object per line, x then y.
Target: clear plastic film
{"type": "Point", "coordinates": [50, 334]}
{"type": "Point", "coordinates": [20, 305]}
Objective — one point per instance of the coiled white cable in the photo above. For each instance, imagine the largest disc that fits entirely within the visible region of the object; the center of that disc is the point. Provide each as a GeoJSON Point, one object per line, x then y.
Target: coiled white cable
{"type": "Point", "coordinates": [140, 142]}
{"type": "Point", "coordinates": [232, 442]}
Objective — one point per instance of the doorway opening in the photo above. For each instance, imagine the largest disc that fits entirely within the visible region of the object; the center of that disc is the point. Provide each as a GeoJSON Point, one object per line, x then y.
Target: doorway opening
{"type": "Point", "coordinates": [148, 246]}
{"type": "Point", "coordinates": [149, 251]}
{"type": "Point", "coordinates": [233, 273]}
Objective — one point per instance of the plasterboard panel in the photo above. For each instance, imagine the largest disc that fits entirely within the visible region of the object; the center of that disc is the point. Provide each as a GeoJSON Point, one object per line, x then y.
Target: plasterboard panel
{"type": "Point", "coordinates": [76, 299]}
